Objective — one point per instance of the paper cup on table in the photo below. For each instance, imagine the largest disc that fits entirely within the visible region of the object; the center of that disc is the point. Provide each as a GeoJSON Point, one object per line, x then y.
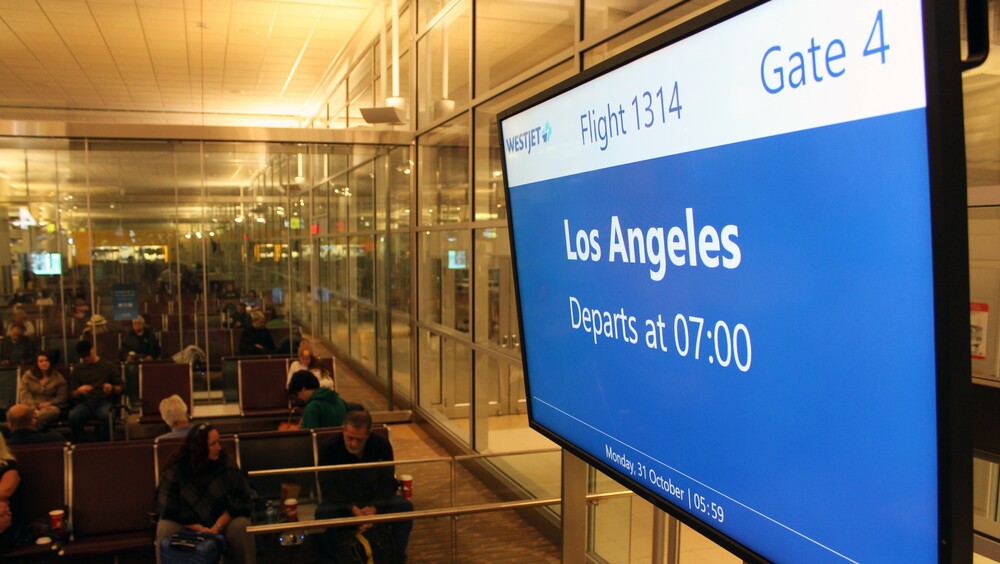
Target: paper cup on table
{"type": "Point", "coordinates": [56, 517]}
{"type": "Point", "coordinates": [406, 481]}
{"type": "Point", "coordinates": [291, 509]}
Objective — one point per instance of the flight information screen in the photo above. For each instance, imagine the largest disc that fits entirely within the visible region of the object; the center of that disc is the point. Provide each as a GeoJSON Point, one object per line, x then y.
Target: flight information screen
{"type": "Point", "coordinates": [724, 271]}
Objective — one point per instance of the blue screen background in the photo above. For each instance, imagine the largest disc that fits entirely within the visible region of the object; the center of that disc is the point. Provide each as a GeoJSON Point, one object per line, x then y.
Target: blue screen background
{"type": "Point", "coordinates": [825, 450]}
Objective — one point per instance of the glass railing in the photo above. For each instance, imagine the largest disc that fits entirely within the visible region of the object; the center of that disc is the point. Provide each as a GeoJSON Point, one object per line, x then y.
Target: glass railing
{"type": "Point", "coordinates": [462, 508]}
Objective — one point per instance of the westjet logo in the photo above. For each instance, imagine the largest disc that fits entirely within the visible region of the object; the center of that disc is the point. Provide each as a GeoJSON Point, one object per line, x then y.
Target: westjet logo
{"type": "Point", "coordinates": [528, 139]}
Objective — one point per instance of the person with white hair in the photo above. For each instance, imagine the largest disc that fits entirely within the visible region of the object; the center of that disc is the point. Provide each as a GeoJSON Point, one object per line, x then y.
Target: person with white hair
{"type": "Point", "coordinates": [174, 412]}
{"type": "Point", "coordinates": [21, 318]}
{"type": "Point", "coordinates": [256, 339]}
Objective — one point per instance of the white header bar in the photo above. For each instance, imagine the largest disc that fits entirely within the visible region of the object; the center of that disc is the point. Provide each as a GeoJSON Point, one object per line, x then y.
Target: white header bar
{"type": "Point", "coordinates": [785, 66]}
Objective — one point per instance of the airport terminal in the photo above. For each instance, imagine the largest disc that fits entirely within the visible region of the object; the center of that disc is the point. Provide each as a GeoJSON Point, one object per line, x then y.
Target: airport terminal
{"type": "Point", "coordinates": [619, 281]}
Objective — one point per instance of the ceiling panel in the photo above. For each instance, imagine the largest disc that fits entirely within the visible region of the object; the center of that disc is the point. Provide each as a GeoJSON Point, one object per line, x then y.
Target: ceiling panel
{"type": "Point", "coordinates": [181, 57]}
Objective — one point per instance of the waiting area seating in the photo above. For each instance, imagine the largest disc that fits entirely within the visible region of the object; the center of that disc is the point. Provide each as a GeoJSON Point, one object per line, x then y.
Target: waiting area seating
{"type": "Point", "coordinates": [108, 488]}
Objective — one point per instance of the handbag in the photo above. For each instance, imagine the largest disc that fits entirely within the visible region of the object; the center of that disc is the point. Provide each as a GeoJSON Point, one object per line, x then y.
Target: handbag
{"type": "Point", "coordinates": [189, 547]}
{"type": "Point", "coordinates": [374, 546]}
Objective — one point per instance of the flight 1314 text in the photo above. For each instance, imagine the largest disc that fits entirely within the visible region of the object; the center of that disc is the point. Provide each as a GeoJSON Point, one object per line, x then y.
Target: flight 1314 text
{"type": "Point", "coordinates": [645, 110]}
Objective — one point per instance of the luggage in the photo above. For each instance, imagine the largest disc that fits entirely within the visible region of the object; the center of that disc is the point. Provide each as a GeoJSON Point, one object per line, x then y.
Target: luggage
{"type": "Point", "coordinates": [189, 547]}
{"type": "Point", "coordinates": [374, 546]}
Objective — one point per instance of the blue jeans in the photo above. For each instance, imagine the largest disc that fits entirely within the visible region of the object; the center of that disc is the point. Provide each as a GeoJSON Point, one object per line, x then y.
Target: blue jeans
{"type": "Point", "coordinates": [85, 411]}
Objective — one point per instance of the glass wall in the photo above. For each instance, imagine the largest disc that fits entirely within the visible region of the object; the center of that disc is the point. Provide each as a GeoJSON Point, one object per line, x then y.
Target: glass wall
{"type": "Point", "coordinates": [99, 232]}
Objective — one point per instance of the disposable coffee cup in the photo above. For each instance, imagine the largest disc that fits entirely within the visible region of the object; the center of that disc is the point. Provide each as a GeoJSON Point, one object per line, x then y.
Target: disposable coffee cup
{"type": "Point", "coordinates": [291, 509]}
{"type": "Point", "coordinates": [56, 519]}
{"type": "Point", "coordinates": [406, 481]}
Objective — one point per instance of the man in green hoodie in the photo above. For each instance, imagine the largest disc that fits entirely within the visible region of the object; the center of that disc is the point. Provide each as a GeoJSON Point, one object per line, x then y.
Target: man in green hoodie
{"type": "Point", "coordinates": [324, 408]}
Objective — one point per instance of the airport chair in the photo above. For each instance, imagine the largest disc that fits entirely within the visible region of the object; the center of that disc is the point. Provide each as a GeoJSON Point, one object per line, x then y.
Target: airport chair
{"type": "Point", "coordinates": [262, 388]}
{"type": "Point", "coordinates": [42, 488]}
{"type": "Point", "coordinates": [158, 381]}
{"type": "Point", "coordinates": [268, 450]}
{"type": "Point", "coordinates": [8, 386]}
{"type": "Point", "coordinates": [110, 491]}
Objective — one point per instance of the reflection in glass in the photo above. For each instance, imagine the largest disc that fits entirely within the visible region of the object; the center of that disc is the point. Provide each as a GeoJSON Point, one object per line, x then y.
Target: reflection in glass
{"type": "Point", "coordinates": [363, 336]}
{"type": "Point", "coordinates": [185, 229]}
{"type": "Point", "coordinates": [599, 15]}
{"type": "Point", "coordinates": [496, 320]}
{"type": "Point", "coordinates": [513, 38]}
{"type": "Point", "coordinates": [445, 381]}
{"type": "Point", "coordinates": [362, 256]}
{"type": "Point", "coordinates": [444, 279]}
{"type": "Point", "coordinates": [399, 272]}
{"type": "Point", "coordinates": [443, 187]}
{"type": "Point", "coordinates": [361, 200]}
{"type": "Point", "coordinates": [680, 13]}
{"type": "Point", "coordinates": [400, 174]}
{"type": "Point", "coordinates": [426, 10]}
{"type": "Point", "coordinates": [443, 64]}
{"type": "Point", "coordinates": [401, 370]}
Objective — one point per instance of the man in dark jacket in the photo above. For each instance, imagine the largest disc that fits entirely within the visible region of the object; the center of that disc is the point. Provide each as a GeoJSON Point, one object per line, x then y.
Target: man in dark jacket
{"type": "Point", "coordinates": [15, 348]}
{"type": "Point", "coordinates": [23, 430]}
{"type": "Point", "coordinates": [256, 339]}
{"type": "Point", "coordinates": [323, 407]}
{"type": "Point", "coordinates": [363, 491]}
{"type": "Point", "coordinates": [93, 384]}
{"type": "Point", "coordinates": [139, 341]}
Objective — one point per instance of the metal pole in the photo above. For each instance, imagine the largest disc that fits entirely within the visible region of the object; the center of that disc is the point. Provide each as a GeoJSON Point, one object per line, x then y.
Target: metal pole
{"type": "Point", "coordinates": [454, 519]}
{"type": "Point", "coordinates": [574, 509]}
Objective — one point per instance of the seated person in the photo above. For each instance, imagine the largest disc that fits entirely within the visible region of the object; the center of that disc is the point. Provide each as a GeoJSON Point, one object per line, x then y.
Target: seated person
{"type": "Point", "coordinates": [45, 390]}
{"type": "Point", "coordinates": [323, 407]}
{"type": "Point", "coordinates": [15, 348]}
{"type": "Point", "coordinates": [229, 292]}
{"type": "Point", "coordinates": [93, 384]}
{"type": "Point", "coordinates": [21, 318]}
{"type": "Point", "coordinates": [139, 344]}
{"type": "Point", "coordinates": [20, 297]}
{"type": "Point", "coordinates": [24, 430]}
{"type": "Point", "coordinates": [79, 309]}
{"type": "Point", "coordinates": [251, 302]}
{"type": "Point", "coordinates": [233, 316]}
{"type": "Point", "coordinates": [12, 518]}
{"type": "Point", "coordinates": [174, 412]}
{"type": "Point", "coordinates": [203, 490]}
{"type": "Point", "coordinates": [45, 299]}
{"type": "Point", "coordinates": [306, 361]}
{"type": "Point", "coordinates": [96, 325]}
{"type": "Point", "coordinates": [360, 492]}
{"type": "Point", "coordinates": [256, 339]}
